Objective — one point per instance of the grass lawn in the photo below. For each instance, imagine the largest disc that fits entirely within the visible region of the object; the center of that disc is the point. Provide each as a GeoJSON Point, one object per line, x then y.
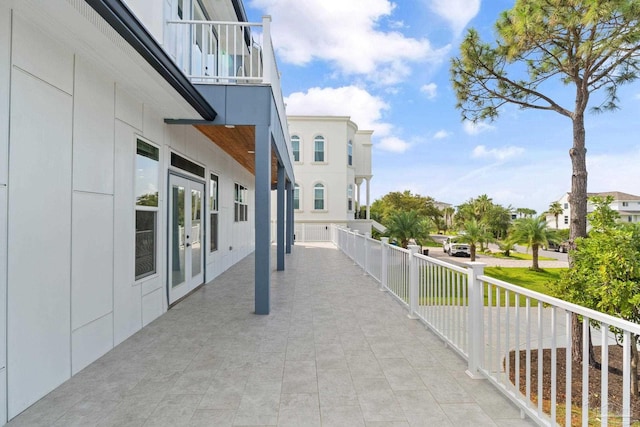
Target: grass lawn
{"type": "Point", "coordinates": [523, 276]}
{"type": "Point", "coordinates": [519, 255]}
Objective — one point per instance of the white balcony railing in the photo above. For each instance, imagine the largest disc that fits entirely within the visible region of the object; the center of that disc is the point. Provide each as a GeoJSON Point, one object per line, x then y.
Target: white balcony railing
{"type": "Point", "coordinates": [216, 52]}
{"type": "Point", "coordinates": [508, 335]}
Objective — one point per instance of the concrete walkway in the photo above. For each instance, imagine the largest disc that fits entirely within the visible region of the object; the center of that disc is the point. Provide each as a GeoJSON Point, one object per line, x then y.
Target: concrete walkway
{"type": "Point", "coordinates": [334, 351]}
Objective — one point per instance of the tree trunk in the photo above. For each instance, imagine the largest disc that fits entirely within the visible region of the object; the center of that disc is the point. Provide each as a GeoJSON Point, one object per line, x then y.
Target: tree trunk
{"type": "Point", "coordinates": [472, 249]}
{"type": "Point", "coordinates": [534, 252]}
{"type": "Point", "coordinates": [578, 204]}
{"type": "Point", "coordinates": [556, 221]}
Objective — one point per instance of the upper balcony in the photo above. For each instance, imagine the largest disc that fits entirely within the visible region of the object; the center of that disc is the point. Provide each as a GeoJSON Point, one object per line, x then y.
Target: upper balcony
{"type": "Point", "coordinates": [227, 53]}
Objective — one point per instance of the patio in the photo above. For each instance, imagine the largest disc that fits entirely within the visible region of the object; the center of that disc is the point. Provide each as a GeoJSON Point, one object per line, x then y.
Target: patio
{"type": "Point", "coordinates": [334, 352]}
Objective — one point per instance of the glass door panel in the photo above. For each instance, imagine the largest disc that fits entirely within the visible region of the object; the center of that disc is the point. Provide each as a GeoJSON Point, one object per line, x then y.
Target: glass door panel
{"type": "Point", "coordinates": [177, 236]}
{"type": "Point", "coordinates": [196, 231]}
{"type": "Point", "coordinates": [186, 257]}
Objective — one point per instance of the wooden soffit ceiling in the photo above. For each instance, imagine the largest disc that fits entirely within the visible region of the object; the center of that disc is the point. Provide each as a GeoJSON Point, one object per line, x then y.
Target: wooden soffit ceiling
{"type": "Point", "coordinates": [239, 143]}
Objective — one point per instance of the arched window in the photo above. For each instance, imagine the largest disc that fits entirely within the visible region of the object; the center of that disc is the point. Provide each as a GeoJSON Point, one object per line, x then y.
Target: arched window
{"type": "Point", "coordinates": [318, 149]}
{"type": "Point", "coordinates": [295, 147]}
{"type": "Point", "coordinates": [350, 153]}
{"type": "Point", "coordinates": [296, 197]}
{"type": "Point", "coordinates": [318, 197]}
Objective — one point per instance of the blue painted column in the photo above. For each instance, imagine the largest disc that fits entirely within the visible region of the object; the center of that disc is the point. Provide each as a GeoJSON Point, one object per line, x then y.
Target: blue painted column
{"type": "Point", "coordinates": [263, 219]}
{"type": "Point", "coordinates": [290, 230]}
{"type": "Point", "coordinates": [280, 218]}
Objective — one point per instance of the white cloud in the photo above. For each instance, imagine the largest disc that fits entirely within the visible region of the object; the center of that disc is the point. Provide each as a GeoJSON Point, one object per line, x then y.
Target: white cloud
{"type": "Point", "coordinates": [441, 134]}
{"type": "Point", "coordinates": [430, 89]}
{"type": "Point", "coordinates": [503, 153]}
{"type": "Point", "coordinates": [457, 13]}
{"type": "Point", "coordinates": [363, 108]}
{"type": "Point", "coordinates": [614, 172]}
{"type": "Point", "coordinates": [476, 128]}
{"type": "Point", "coordinates": [347, 34]}
{"type": "Point", "coordinates": [393, 144]}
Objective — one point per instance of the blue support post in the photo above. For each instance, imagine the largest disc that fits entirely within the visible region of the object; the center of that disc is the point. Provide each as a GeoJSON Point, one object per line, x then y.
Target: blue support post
{"type": "Point", "coordinates": [263, 219]}
{"type": "Point", "coordinates": [280, 219]}
{"type": "Point", "coordinates": [289, 191]}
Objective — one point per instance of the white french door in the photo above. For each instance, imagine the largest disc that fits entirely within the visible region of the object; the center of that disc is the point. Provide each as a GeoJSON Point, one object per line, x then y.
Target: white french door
{"type": "Point", "coordinates": [186, 236]}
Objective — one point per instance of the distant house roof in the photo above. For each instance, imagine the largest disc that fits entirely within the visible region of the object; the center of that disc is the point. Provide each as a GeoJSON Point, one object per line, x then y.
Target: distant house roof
{"type": "Point", "coordinates": [617, 195]}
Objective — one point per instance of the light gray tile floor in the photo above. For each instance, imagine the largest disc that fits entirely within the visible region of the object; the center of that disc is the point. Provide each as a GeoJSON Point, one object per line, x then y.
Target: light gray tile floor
{"type": "Point", "coordinates": [335, 351]}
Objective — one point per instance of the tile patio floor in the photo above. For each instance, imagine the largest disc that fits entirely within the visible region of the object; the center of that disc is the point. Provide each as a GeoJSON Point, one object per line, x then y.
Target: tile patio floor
{"type": "Point", "coordinates": [334, 352]}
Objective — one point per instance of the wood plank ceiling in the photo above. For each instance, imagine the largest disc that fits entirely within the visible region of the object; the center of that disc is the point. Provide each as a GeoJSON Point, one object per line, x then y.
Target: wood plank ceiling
{"type": "Point", "coordinates": [239, 143]}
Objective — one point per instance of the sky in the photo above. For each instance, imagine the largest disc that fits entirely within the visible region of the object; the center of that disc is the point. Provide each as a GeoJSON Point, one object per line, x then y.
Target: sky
{"type": "Point", "coordinates": [386, 65]}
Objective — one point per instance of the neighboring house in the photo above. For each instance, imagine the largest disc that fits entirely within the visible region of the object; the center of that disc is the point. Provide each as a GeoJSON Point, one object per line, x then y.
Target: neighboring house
{"type": "Point", "coordinates": [627, 206]}
{"type": "Point", "coordinates": [332, 164]}
{"type": "Point", "coordinates": [138, 150]}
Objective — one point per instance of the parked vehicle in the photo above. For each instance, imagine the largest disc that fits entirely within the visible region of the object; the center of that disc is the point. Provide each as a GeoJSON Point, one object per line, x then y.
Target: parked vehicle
{"type": "Point", "coordinates": [453, 247]}
{"type": "Point", "coordinates": [562, 247]}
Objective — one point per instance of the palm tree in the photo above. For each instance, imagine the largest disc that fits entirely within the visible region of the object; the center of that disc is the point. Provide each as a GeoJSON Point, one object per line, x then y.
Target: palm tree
{"type": "Point", "coordinates": [556, 210]}
{"type": "Point", "coordinates": [448, 216]}
{"type": "Point", "coordinates": [475, 233]}
{"type": "Point", "coordinates": [407, 225]}
{"type": "Point", "coordinates": [533, 232]}
{"type": "Point", "coordinates": [481, 205]}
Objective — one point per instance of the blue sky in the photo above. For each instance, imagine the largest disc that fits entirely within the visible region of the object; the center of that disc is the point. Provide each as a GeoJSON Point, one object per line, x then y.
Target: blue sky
{"type": "Point", "coordinates": [386, 65]}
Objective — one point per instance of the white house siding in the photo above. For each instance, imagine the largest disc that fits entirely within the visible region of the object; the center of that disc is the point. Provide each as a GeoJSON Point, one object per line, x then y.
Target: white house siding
{"type": "Point", "coordinates": [5, 84]}
{"type": "Point", "coordinates": [67, 215]}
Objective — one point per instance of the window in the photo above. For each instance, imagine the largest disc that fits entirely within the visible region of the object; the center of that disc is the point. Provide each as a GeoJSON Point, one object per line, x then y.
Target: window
{"type": "Point", "coordinates": [350, 197]}
{"type": "Point", "coordinates": [350, 153]}
{"type": "Point", "coordinates": [630, 218]}
{"type": "Point", "coordinates": [186, 165]}
{"type": "Point", "coordinates": [296, 197]}
{"type": "Point", "coordinates": [566, 206]}
{"type": "Point", "coordinates": [241, 209]}
{"type": "Point", "coordinates": [625, 204]}
{"type": "Point", "coordinates": [318, 197]}
{"type": "Point", "coordinates": [213, 213]}
{"type": "Point", "coordinates": [318, 151]}
{"type": "Point", "coordinates": [295, 147]}
{"type": "Point", "coordinates": [146, 193]}
{"type": "Point", "coordinates": [566, 219]}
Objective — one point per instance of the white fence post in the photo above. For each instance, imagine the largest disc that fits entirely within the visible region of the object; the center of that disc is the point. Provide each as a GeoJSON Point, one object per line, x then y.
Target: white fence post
{"type": "Point", "coordinates": [266, 50]}
{"type": "Point", "coordinates": [354, 255]}
{"type": "Point", "coordinates": [385, 260]}
{"type": "Point", "coordinates": [413, 281]}
{"type": "Point", "coordinates": [367, 236]}
{"type": "Point", "coordinates": [475, 329]}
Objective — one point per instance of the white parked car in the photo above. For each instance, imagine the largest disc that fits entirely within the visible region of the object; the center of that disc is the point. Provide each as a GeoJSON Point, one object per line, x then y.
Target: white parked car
{"type": "Point", "coordinates": [454, 248]}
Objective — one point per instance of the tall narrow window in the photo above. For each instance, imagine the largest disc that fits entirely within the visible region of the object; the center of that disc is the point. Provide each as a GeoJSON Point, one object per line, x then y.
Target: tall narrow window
{"type": "Point", "coordinates": [318, 151]}
{"type": "Point", "coordinates": [146, 193]}
{"type": "Point", "coordinates": [240, 208]}
{"type": "Point", "coordinates": [350, 153]}
{"type": "Point", "coordinates": [213, 213]}
{"type": "Point", "coordinates": [295, 147]}
{"type": "Point", "coordinates": [296, 197]}
{"type": "Point", "coordinates": [318, 197]}
{"type": "Point", "coordinates": [350, 197]}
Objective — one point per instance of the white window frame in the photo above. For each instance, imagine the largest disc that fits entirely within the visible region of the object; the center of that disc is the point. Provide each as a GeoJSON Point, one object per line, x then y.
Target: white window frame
{"type": "Point", "coordinates": [214, 209]}
{"type": "Point", "coordinates": [350, 198]}
{"type": "Point", "coordinates": [324, 197]}
{"type": "Point", "coordinates": [350, 153]}
{"type": "Point", "coordinates": [296, 189]}
{"type": "Point", "coordinates": [320, 138]}
{"type": "Point", "coordinates": [299, 141]}
{"type": "Point", "coordinates": [240, 205]}
{"type": "Point", "coordinates": [146, 208]}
